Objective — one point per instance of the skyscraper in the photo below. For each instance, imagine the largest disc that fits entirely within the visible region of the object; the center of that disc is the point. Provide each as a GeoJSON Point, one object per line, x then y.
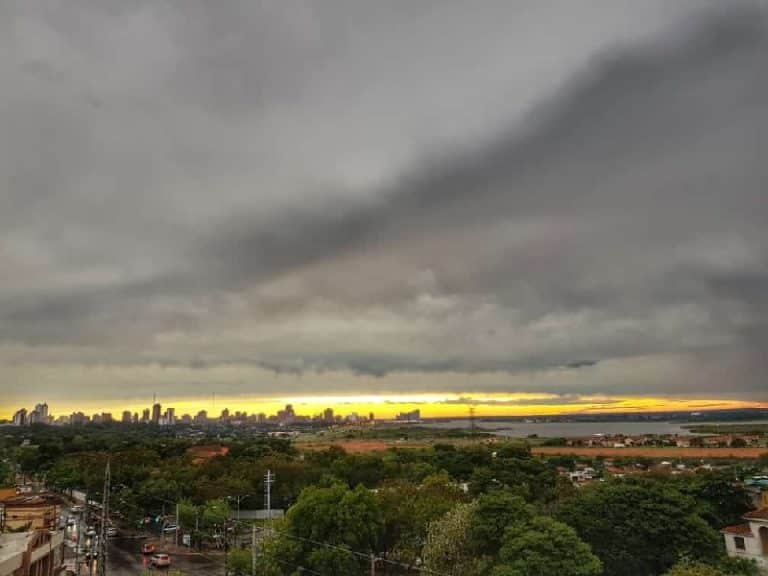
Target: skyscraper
{"type": "Point", "coordinates": [20, 417]}
{"type": "Point", "coordinates": [156, 411]}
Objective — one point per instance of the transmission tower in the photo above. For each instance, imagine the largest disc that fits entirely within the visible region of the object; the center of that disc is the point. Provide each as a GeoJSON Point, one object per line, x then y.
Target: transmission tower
{"type": "Point", "coordinates": [104, 520]}
{"type": "Point", "coordinates": [269, 479]}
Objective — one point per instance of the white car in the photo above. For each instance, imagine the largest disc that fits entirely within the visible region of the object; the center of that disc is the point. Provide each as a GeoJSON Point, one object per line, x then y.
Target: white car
{"type": "Point", "coordinates": [160, 560]}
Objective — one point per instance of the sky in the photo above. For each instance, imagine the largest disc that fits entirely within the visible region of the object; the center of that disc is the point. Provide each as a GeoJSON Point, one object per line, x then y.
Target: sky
{"type": "Point", "coordinates": [527, 207]}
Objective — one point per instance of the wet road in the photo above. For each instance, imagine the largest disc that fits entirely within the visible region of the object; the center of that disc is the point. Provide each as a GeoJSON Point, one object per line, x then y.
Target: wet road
{"type": "Point", "coordinates": [125, 558]}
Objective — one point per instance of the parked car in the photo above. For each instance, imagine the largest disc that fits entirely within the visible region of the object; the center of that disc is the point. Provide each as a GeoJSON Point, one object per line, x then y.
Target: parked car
{"type": "Point", "coordinates": [111, 531]}
{"type": "Point", "coordinates": [160, 560]}
{"type": "Point", "coordinates": [170, 528]}
{"type": "Point", "coordinates": [76, 509]}
{"type": "Point", "coordinates": [90, 531]}
{"type": "Point", "coordinates": [148, 548]}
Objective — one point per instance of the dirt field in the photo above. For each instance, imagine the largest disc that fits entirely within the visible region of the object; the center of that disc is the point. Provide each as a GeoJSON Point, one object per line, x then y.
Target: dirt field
{"type": "Point", "coordinates": [662, 453]}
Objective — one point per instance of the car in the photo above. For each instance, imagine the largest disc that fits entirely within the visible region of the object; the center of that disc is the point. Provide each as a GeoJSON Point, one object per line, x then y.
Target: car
{"type": "Point", "coordinates": [148, 548]}
{"type": "Point", "coordinates": [91, 553]}
{"type": "Point", "coordinates": [76, 509]}
{"type": "Point", "coordinates": [160, 560]}
{"type": "Point", "coordinates": [90, 531]}
{"type": "Point", "coordinates": [170, 528]}
{"type": "Point", "coordinates": [111, 531]}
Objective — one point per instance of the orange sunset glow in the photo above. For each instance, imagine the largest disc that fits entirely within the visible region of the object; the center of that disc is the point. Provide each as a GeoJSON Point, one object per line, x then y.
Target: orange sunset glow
{"type": "Point", "coordinates": [431, 405]}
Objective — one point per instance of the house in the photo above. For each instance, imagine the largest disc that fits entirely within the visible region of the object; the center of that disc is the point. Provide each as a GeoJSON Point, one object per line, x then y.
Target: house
{"type": "Point", "coordinates": [749, 540]}
{"type": "Point", "coordinates": [36, 553]}
{"type": "Point", "coordinates": [30, 512]}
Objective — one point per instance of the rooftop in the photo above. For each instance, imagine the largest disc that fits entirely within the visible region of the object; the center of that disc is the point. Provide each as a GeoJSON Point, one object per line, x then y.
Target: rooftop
{"type": "Point", "coordinates": [12, 544]}
{"type": "Point", "coordinates": [738, 530]}
{"type": "Point", "coordinates": [759, 514]}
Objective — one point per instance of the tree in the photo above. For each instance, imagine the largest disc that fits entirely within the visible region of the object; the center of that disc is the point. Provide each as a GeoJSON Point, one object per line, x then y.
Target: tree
{"type": "Point", "coordinates": [640, 528]}
{"type": "Point", "coordinates": [447, 547]}
{"type": "Point", "coordinates": [494, 513]}
{"type": "Point", "coordinates": [322, 525]}
{"type": "Point", "coordinates": [723, 501]}
{"type": "Point", "coordinates": [544, 547]}
{"type": "Point", "coordinates": [240, 561]}
{"type": "Point", "coordinates": [408, 508]}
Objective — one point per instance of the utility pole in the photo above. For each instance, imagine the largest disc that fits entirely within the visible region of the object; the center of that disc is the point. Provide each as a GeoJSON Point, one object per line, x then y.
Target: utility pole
{"type": "Point", "coordinates": [104, 520]}
{"type": "Point", "coordinates": [253, 549]}
{"type": "Point", "coordinates": [373, 564]}
{"type": "Point", "coordinates": [178, 525]}
{"type": "Point", "coordinates": [269, 479]}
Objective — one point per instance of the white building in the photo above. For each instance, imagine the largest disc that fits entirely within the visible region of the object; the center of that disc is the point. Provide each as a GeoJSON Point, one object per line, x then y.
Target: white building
{"type": "Point", "coordinates": [749, 540]}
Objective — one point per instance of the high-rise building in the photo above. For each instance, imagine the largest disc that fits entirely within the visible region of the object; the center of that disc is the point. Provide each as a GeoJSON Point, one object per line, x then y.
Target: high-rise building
{"type": "Point", "coordinates": [20, 417]}
{"type": "Point", "coordinates": [135, 417]}
{"type": "Point", "coordinates": [170, 416]}
{"type": "Point", "coordinates": [328, 415]}
{"type": "Point", "coordinates": [78, 418]}
{"type": "Point", "coordinates": [106, 417]}
{"type": "Point", "coordinates": [224, 415]}
{"type": "Point", "coordinates": [201, 417]}
{"type": "Point", "coordinates": [145, 415]}
{"type": "Point", "coordinates": [42, 410]}
{"type": "Point", "coordinates": [126, 419]}
{"type": "Point", "coordinates": [156, 411]}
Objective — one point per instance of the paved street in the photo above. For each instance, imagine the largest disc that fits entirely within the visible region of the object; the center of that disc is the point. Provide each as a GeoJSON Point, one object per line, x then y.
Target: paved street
{"type": "Point", "coordinates": [125, 557]}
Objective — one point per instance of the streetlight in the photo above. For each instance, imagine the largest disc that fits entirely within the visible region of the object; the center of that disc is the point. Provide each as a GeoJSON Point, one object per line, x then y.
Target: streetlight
{"type": "Point", "coordinates": [238, 498]}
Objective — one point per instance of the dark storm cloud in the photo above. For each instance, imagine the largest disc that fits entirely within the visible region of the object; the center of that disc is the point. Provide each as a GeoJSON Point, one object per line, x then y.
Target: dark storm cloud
{"type": "Point", "coordinates": [218, 205]}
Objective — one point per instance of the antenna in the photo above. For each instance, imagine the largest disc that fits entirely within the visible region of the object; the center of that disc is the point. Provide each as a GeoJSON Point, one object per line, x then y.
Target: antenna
{"type": "Point", "coordinates": [472, 425]}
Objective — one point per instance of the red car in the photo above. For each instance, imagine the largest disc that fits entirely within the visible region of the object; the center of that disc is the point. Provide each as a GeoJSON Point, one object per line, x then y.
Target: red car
{"type": "Point", "coordinates": [148, 548]}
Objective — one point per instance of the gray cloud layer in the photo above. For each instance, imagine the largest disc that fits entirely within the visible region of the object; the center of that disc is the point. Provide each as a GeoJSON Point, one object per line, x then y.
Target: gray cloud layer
{"type": "Point", "coordinates": [431, 191]}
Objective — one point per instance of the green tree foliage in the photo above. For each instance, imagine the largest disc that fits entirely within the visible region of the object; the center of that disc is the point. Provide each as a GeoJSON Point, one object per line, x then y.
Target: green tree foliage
{"type": "Point", "coordinates": [494, 513]}
{"type": "Point", "coordinates": [544, 547]}
{"type": "Point", "coordinates": [722, 501]}
{"type": "Point", "coordinates": [408, 508]}
{"type": "Point", "coordinates": [447, 548]}
{"type": "Point", "coordinates": [640, 528]}
{"type": "Point", "coordinates": [239, 562]}
{"type": "Point", "coordinates": [324, 527]}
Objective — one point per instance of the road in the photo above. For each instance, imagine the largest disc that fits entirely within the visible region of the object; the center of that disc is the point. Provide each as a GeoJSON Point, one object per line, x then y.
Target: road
{"type": "Point", "coordinates": [125, 557]}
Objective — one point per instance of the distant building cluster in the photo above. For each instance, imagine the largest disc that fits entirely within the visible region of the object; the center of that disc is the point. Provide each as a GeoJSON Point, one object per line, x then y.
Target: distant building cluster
{"type": "Point", "coordinates": [159, 417]}
{"type": "Point", "coordinates": [37, 416]}
{"type": "Point", "coordinates": [412, 416]}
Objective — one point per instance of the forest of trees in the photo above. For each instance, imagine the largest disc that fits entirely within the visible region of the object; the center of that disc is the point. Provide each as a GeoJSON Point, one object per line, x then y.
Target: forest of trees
{"type": "Point", "coordinates": [471, 510]}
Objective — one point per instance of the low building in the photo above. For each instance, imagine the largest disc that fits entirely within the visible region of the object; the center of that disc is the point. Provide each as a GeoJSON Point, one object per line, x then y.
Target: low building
{"type": "Point", "coordinates": [750, 539]}
{"type": "Point", "coordinates": [35, 553]}
{"type": "Point", "coordinates": [30, 512]}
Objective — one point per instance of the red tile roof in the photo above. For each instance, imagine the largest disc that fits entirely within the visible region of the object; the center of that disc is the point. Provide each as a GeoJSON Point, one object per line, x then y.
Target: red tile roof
{"type": "Point", "coordinates": [738, 530]}
{"type": "Point", "coordinates": [759, 514]}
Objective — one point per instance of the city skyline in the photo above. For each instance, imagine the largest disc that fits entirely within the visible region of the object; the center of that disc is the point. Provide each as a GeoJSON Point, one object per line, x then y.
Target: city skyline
{"type": "Point", "coordinates": [428, 406]}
